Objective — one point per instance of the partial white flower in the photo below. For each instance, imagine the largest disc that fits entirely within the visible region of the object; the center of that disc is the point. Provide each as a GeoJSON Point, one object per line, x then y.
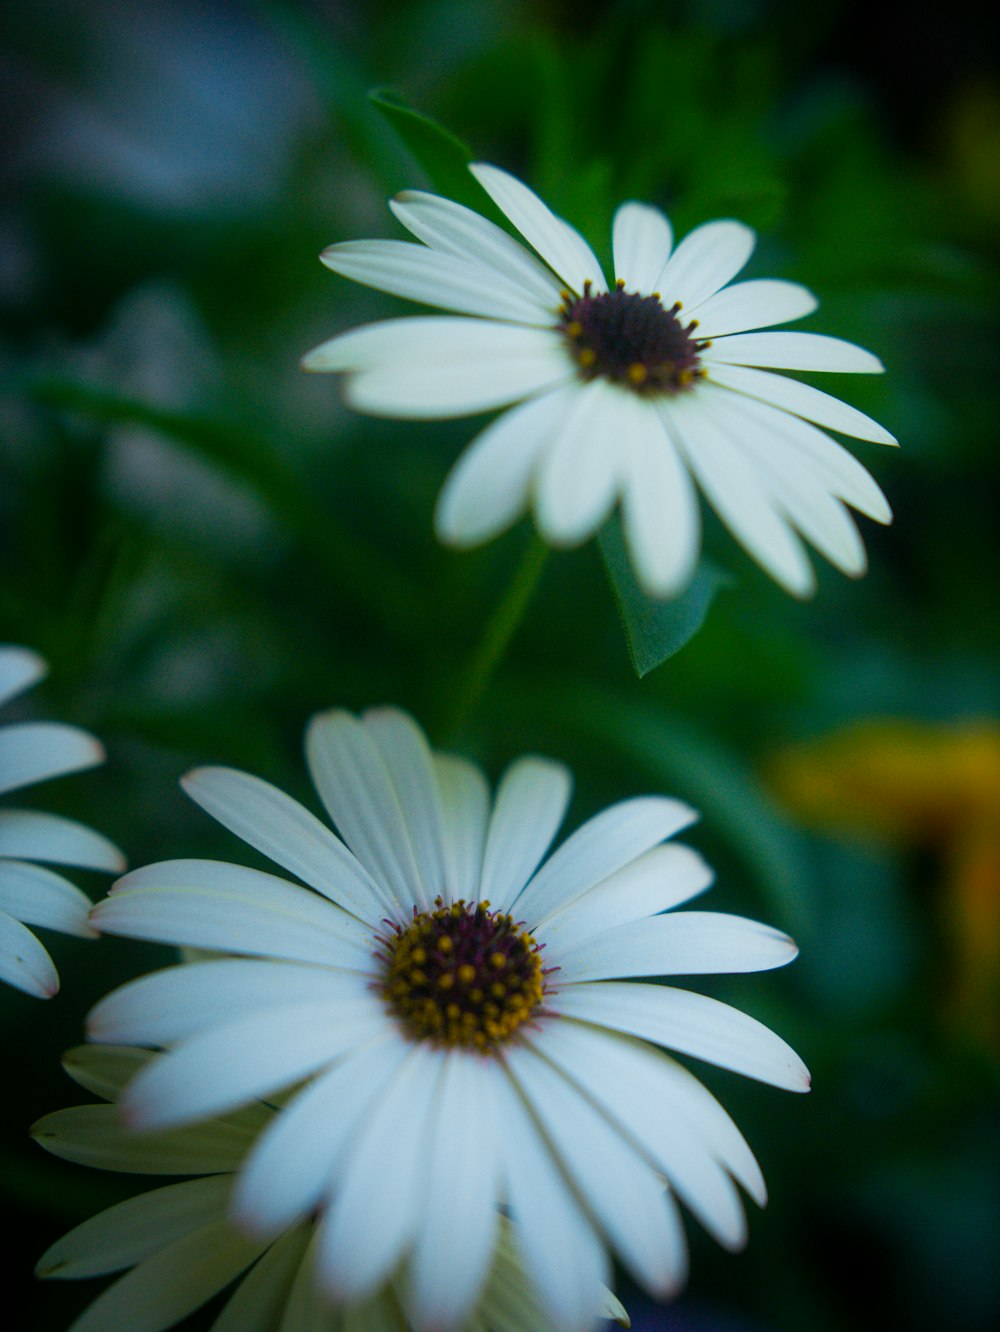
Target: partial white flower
{"type": "Point", "coordinates": [31, 894]}
{"type": "Point", "coordinates": [179, 1246]}
{"type": "Point", "coordinates": [466, 1027]}
{"type": "Point", "coordinates": [628, 395]}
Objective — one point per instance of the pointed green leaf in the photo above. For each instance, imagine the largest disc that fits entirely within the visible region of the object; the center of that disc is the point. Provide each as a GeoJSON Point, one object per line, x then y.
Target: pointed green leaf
{"type": "Point", "coordinates": [443, 157]}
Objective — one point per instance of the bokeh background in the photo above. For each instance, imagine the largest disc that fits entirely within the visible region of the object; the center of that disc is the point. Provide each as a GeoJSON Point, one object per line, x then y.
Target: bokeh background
{"type": "Point", "coordinates": [207, 547]}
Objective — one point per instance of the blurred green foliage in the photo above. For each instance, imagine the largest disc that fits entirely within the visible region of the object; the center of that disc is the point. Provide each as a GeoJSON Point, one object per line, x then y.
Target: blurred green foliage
{"type": "Point", "coordinates": [207, 547]}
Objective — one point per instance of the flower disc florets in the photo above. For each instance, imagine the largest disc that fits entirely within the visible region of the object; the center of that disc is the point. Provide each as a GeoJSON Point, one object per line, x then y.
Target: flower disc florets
{"type": "Point", "coordinates": [462, 975]}
{"type": "Point", "coordinates": [631, 339]}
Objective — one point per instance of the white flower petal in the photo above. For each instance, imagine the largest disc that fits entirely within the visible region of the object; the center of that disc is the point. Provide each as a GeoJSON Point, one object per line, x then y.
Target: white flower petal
{"type": "Point", "coordinates": [490, 484]}
{"type": "Point", "coordinates": [24, 963]}
{"type": "Point", "coordinates": [627, 1082]}
{"type": "Point", "coordinates": [234, 1063]}
{"type": "Point", "coordinates": [38, 751]}
{"type": "Point", "coordinates": [681, 943]}
{"type": "Point", "coordinates": [92, 1135]}
{"type": "Point", "coordinates": [173, 1005]}
{"type": "Point", "coordinates": [453, 229]}
{"type": "Point", "coordinates": [37, 896]}
{"type": "Point", "coordinates": [366, 1230]}
{"type": "Point", "coordinates": [20, 668]}
{"type": "Point", "coordinates": [705, 260]}
{"type": "Point", "coordinates": [530, 805]}
{"type": "Point", "coordinates": [557, 1243]}
{"type": "Point", "coordinates": [165, 1288]}
{"type": "Point", "coordinates": [621, 1190]}
{"type": "Point", "coordinates": [641, 239]}
{"type": "Point", "coordinates": [802, 400]}
{"type": "Point", "coordinates": [133, 1230]}
{"type": "Point", "coordinates": [688, 1022]}
{"type": "Point", "coordinates": [287, 833]}
{"type": "Point", "coordinates": [501, 366]}
{"type": "Point", "coordinates": [792, 351]}
{"type": "Point", "coordinates": [419, 340]}
{"type": "Point", "coordinates": [560, 245]}
{"type": "Point", "coordinates": [435, 278]}
{"type": "Point", "coordinates": [603, 845]}
{"type": "Point", "coordinates": [209, 904]}
{"type": "Point", "coordinates": [288, 1171]}
{"type": "Point", "coordinates": [662, 878]}
{"type": "Point", "coordinates": [454, 1244]}
{"type": "Point", "coordinates": [260, 1299]}
{"type": "Point", "coordinates": [28, 835]}
{"type": "Point", "coordinates": [659, 506]}
{"type": "Point", "coordinates": [578, 474]}
{"type": "Point", "coordinates": [465, 812]}
{"type": "Point", "coordinates": [735, 491]}
{"type": "Point", "coordinates": [758, 303]}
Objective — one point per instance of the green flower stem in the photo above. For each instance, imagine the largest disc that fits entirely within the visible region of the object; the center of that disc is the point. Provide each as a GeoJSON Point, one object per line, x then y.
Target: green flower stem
{"type": "Point", "coordinates": [497, 636]}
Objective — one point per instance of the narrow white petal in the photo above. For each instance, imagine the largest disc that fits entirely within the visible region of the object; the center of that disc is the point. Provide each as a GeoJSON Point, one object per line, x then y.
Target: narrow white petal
{"type": "Point", "coordinates": [125, 1234]}
{"type": "Point", "coordinates": [690, 1023]}
{"type": "Point", "coordinates": [287, 833]}
{"type": "Point", "coordinates": [260, 1299]}
{"type": "Point", "coordinates": [800, 444]}
{"type": "Point", "coordinates": [705, 260]}
{"type": "Point", "coordinates": [758, 303]}
{"type": "Point", "coordinates": [530, 805]}
{"type": "Point", "coordinates": [489, 485]}
{"type": "Point", "coordinates": [659, 507]}
{"type": "Point", "coordinates": [37, 751]}
{"type": "Point", "coordinates": [603, 845]}
{"type": "Point", "coordinates": [418, 340]}
{"type": "Point", "coordinates": [28, 835]}
{"type": "Point", "coordinates": [802, 400]}
{"type": "Point", "coordinates": [522, 361]}
{"type": "Point", "coordinates": [792, 351]}
{"type": "Point", "coordinates": [236, 1062]}
{"type": "Point", "coordinates": [37, 896]}
{"type": "Point", "coordinates": [435, 278]}
{"type": "Point", "coordinates": [92, 1135]}
{"type": "Point", "coordinates": [578, 474]}
{"type": "Point", "coordinates": [465, 812]}
{"type": "Point", "coordinates": [622, 1191]}
{"type": "Point", "coordinates": [407, 757]}
{"type": "Point", "coordinates": [641, 240]}
{"type": "Point", "coordinates": [205, 904]}
{"type": "Point", "coordinates": [172, 1283]}
{"type": "Point", "coordinates": [20, 668]}
{"type": "Point", "coordinates": [558, 1245]}
{"type": "Point", "coordinates": [662, 878]}
{"type": "Point", "coordinates": [627, 1082]}
{"type": "Point", "coordinates": [454, 229]}
{"type": "Point", "coordinates": [366, 1230]}
{"type": "Point", "coordinates": [681, 943]}
{"type": "Point", "coordinates": [454, 1243]}
{"type": "Point", "coordinates": [288, 1172]}
{"type": "Point", "coordinates": [24, 963]}
{"type": "Point", "coordinates": [357, 789]}
{"type": "Point", "coordinates": [173, 1005]}
{"type": "Point", "coordinates": [560, 245]}
{"type": "Point", "coordinates": [741, 501]}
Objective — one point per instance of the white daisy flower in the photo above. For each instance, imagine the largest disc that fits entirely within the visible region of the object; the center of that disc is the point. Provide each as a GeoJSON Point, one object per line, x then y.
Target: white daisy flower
{"type": "Point", "coordinates": [31, 894]}
{"type": "Point", "coordinates": [630, 394]}
{"type": "Point", "coordinates": [180, 1248]}
{"type": "Point", "coordinates": [461, 1021]}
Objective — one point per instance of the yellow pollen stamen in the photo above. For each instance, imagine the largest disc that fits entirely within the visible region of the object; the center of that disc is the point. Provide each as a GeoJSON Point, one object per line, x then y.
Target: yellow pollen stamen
{"type": "Point", "coordinates": [636, 373]}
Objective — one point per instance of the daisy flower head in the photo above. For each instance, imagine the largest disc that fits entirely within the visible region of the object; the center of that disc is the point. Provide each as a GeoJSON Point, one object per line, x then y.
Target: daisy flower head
{"type": "Point", "coordinates": [632, 393]}
{"type": "Point", "coordinates": [30, 893]}
{"type": "Point", "coordinates": [464, 1025]}
{"type": "Point", "coordinates": [179, 1247]}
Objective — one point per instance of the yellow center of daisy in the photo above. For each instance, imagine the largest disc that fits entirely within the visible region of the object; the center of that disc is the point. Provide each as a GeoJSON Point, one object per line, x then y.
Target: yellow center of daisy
{"type": "Point", "coordinates": [461, 975]}
{"type": "Point", "coordinates": [632, 340]}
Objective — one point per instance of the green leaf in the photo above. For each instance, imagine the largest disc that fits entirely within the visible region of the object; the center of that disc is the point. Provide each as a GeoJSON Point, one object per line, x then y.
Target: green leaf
{"type": "Point", "coordinates": [656, 630]}
{"type": "Point", "coordinates": [442, 155]}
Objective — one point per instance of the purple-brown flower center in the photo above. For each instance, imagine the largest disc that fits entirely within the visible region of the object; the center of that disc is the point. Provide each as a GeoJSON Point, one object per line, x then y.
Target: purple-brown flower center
{"type": "Point", "coordinates": [461, 975]}
{"type": "Point", "coordinates": [632, 340]}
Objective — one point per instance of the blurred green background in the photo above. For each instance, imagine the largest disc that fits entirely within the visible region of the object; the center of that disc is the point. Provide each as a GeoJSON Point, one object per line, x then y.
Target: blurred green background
{"type": "Point", "coordinates": [207, 547]}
